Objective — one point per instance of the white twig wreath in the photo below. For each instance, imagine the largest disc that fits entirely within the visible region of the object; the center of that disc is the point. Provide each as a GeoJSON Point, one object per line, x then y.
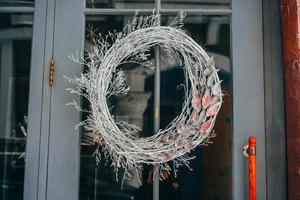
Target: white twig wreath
{"type": "Point", "coordinates": [120, 141]}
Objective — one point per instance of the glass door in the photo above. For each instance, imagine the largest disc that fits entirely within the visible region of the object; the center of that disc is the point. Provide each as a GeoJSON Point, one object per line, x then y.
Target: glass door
{"type": "Point", "coordinates": [230, 31]}
{"type": "Point", "coordinates": [21, 84]}
{"type": "Point", "coordinates": [98, 182]}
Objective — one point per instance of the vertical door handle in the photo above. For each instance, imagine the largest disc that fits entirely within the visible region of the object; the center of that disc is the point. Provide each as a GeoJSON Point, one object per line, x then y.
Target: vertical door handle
{"type": "Point", "coordinates": [249, 151]}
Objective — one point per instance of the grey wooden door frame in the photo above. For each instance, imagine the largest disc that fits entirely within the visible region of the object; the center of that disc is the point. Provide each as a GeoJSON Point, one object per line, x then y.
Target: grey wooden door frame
{"type": "Point", "coordinates": [53, 146]}
{"type": "Point", "coordinates": [274, 102]}
{"type": "Point", "coordinates": [257, 31]}
{"type": "Point", "coordinates": [44, 174]}
{"type": "Point", "coordinates": [64, 141]}
{"type": "Point", "coordinates": [39, 105]}
{"type": "Point", "coordinates": [248, 93]}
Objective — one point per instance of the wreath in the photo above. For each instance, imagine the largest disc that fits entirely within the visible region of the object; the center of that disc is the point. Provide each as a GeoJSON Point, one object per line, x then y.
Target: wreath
{"type": "Point", "coordinates": [119, 140]}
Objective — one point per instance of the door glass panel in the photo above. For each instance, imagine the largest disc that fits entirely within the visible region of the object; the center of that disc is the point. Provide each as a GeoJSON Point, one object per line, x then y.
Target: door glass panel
{"type": "Point", "coordinates": [15, 55]}
{"type": "Point", "coordinates": [195, 4]}
{"type": "Point", "coordinates": [98, 182]}
{"type": "Point", "coordinates": [169, 4]}
{"type": "Point", "coordinates": [16, 3]}
{"type": "Point", "coordinates": [212, 33]}
{"type": "Point", "coordinates": [120, 4]}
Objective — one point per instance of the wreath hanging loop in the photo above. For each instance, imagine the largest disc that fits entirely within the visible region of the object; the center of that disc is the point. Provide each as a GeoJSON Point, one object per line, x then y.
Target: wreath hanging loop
{"type": "Point", "coordinates": [120, 140]}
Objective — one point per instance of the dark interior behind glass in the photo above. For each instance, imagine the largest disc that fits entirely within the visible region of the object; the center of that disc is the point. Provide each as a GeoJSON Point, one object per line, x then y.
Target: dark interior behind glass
{"type": "Point", "coordinates": [15, 57]}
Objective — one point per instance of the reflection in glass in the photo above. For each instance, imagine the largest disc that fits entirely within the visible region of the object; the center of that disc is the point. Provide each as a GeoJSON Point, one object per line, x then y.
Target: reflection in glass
{"type": "Point", "coordinates": [121, 4]}
{"type": "Point", "coordinates": [195, 4]}
{"type": "Point", "coordinates": [150, 4]}
{"type": "Point", "coordinates": [16, 3]}
{"type": "Point", "coordinates": [15, 54]}
{"type": "Point", "coordinates": [98, 182]}
{"type": "Point", "coordinates": [211, 178]}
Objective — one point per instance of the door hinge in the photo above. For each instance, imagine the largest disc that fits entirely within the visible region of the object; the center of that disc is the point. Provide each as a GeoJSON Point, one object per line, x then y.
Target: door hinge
{"type": "Point", "coordinates": [51, 72]}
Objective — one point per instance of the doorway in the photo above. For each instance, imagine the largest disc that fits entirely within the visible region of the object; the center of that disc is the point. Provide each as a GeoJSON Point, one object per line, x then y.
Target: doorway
{"type": "Point", "coordinates": [59, 162]}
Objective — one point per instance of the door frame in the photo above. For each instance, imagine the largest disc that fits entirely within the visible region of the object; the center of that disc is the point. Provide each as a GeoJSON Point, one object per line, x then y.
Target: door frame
{"type": "Point", "coordinates": [53, 154]}
{"type": "Point", "coordinates": [37, 108]}
{"type": "Point", "coordinates": [248, 105]}
{"type": "Point", "coordinates": [276, 163]}
{"type": "Point", "coordinates": [45, 171]}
